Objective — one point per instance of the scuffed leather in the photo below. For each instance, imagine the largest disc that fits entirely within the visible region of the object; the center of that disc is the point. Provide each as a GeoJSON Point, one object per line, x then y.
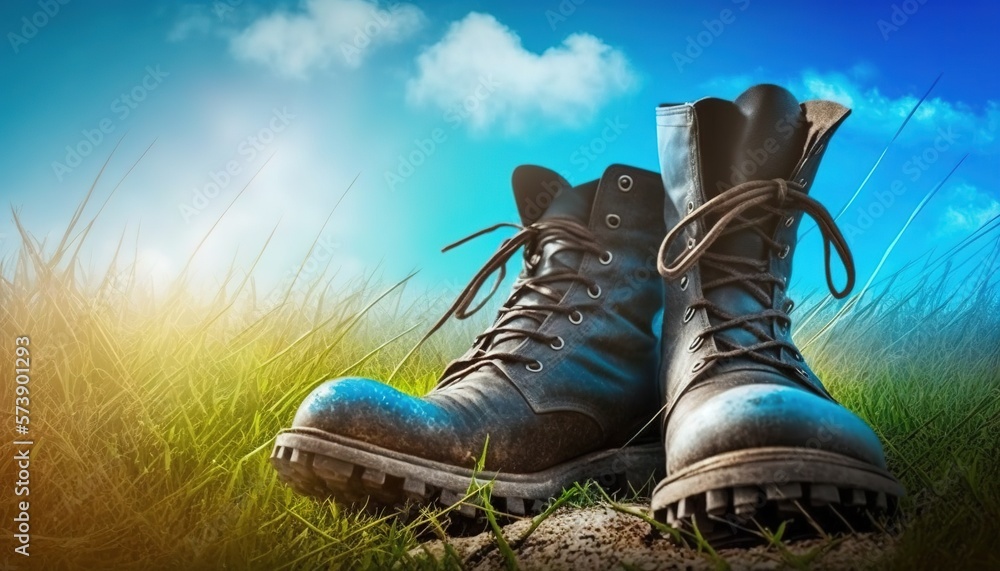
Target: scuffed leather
{"type": "Point", "coordinates": [450, 425]}
{"type": "Point", "coordinates": [739, 403]}
{"type": "Point", "coordinates": [596, 393]}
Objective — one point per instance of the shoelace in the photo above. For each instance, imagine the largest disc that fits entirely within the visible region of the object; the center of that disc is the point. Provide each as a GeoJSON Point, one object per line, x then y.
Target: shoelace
{"type": "Point", "coordinates": [569, 235]}
{"type": "Point", "coordinates": [776, 198]}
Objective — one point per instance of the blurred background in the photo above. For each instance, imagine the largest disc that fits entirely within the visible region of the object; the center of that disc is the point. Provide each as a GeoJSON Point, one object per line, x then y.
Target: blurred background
{"type": "Point", "coordinates": [267, 111]}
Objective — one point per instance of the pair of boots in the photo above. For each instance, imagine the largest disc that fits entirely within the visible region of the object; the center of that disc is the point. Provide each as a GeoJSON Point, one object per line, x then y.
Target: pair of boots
{"type": "Point", "coordinates": [569, 380]}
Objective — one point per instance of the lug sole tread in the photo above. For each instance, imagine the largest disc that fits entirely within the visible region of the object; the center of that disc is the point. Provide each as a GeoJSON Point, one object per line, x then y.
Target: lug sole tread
{"type": "Point", "coordinates": [377, 487]}
{"type": "Point", "coordinates": [849, 500]}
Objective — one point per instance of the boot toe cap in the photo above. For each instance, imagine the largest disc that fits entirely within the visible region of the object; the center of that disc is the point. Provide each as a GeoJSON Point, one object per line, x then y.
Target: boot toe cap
{"type": "Point", "coordinates": [374, 413]}
{"type": "Point", "coordinates": [764, 415]}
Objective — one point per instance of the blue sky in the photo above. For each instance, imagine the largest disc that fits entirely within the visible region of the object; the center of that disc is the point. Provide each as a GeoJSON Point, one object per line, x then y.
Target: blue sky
{"type": "Point", "coordinates": [314, 93]}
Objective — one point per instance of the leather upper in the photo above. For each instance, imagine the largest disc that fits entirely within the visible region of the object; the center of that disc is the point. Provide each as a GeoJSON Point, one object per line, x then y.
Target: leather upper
{"type": "Point", "coordinates": [596, 387]}
{"type": "Point", "coordinates": [705, 148]}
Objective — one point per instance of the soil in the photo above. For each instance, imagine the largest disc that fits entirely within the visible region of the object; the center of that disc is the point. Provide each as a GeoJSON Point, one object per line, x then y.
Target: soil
{"type": "Point", "coordinates": [603, 538]}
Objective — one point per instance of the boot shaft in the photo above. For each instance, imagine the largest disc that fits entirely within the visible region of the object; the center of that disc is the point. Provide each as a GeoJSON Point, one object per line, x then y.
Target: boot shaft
{"type": "Point", "coordinates": [707, 149]}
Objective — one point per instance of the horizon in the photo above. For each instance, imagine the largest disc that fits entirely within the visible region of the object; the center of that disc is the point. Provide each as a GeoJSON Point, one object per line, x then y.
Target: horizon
{"type": "Point", "coordinates": [269, 111]}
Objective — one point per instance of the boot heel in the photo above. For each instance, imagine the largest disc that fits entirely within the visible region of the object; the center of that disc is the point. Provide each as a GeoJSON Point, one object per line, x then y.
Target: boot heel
{"type": "Point", "coordinates": [739, 494]}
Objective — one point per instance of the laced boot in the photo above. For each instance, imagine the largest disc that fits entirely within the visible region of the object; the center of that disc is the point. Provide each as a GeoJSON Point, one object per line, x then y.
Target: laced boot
{"type": "Point", "coordinates": [560, 384]}
{"type": "Point", "coordinates": [752, 437]}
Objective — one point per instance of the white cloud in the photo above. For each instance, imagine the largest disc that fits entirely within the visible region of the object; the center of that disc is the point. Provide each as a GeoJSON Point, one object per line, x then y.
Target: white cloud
{"type": "Point", "coordinates": [968, 209]}
{"type": "Point", "coordinates": [324, 33]}
{"type": "Point", "coordinates": [880, 114]}
{"type": "Point", "coordinates": [194, 19]}
{"type": "Point", "coordinates": [482, 73]}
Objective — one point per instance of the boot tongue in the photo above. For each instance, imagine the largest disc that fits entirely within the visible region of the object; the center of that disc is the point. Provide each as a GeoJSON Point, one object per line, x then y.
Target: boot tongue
{"type": "Point", "coordinates": [759, 136]}
{"type": "Point", "coordinates": [542, 194]}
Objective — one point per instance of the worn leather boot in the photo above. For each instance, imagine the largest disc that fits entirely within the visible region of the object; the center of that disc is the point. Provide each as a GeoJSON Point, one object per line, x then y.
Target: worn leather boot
{"type": "Point", "coordinates": [561, 384]}
{"type": "Point", "coordinates": [751, 435]}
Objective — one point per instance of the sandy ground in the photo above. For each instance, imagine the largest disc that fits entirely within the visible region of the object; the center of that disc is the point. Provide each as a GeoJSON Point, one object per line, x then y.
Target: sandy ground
{"type": "Point", "coordinates": [602, 538]}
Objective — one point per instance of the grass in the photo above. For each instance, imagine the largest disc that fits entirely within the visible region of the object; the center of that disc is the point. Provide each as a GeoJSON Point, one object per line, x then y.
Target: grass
{"type": "Point", "coordinates": [154, 414]}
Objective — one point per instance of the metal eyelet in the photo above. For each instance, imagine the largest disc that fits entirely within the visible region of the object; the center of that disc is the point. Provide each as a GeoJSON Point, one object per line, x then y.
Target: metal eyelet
{"type": "Point", "coordinates": [534, 367]}
{"type": "Point", "coordinates": [690, 206]}
{"type": "Point", "coordinates": [784, 252]}
{"type": "Point", "coordinates": [624, 183]}
{"type": "Point", "coordinates": [789, 306]}
{"type": "Point", "coordinates": [595, 292]}
{"type": "Point", "coordinates": [797, 356]}
{"type": "Point", "coordinates": [558, 344]}
{"type": "Point", "coordinates": [689, 314]}
{"type": "Point", "coordinates": [575, 320]}
{"type": "Point", "coordinates": [803, 182]}
{"type": "Point", "coordinates": [613, 221]}
{"type": "Point", "coordinates": [784, 282]}
{"type": "Point", "coordinates": [691, 243]}
{"type": "Point", "coordinates": [789, 221]}
{"type": "Point", "coordinates": [801, 372]}
{"type": "Point", "coordinates": [696, 344]}
{"type": "Point", "coordinates": [684, 282]}
{"type": "Point", "coordinates": [606, 258]}
{"type": "Point", "coordinates": [783, 328]}
{"type": "Point", "coordinates": [699, 365]}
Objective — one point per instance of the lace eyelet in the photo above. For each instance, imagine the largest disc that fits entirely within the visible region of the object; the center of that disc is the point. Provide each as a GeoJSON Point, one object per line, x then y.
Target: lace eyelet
{"type": "Point", "coordinates": [606, 258]}
{"type": "Point", "coordinates": [557, 344]}
{"type": "Point", "coordinates": [684, 282]}
{"type": "Point", "coordinates": [789, 221]}
{"type": "Point", "coordinates": [789, 306]}
{"type": "Point", "coordinates": [613, 221]}
{"type": "Point", "coordinates": [575, 320]}
{"type": "Point", "coordinates": [784, 252]}
{"type": "Point", "coordinates": [696, 344]}
{"type": "Point", "coordinates": [783, 328]}
{"type": "Point", "coordinates": [595, 292]}
{"type": "Point", "coordinates": [784, 282]}
{"type": "Point", "coordinates": [534, 367]}
{"type": "Point", "coordinates": [690, 206]}
{"type": "Point", "coordinates": [803, 182]}
{"type": "Point", "coordinates": [797, 356]}
{"type": "Point", "coordinates": [624, 183]}
{"type": "Point", "coordinates": [699, 365]}
{"type": "Point", "coordinates": [691, 243]}
{"type": "Point", "coordinates": [689, 314]}
{"type": "Point", "coordinates": [801, 373]}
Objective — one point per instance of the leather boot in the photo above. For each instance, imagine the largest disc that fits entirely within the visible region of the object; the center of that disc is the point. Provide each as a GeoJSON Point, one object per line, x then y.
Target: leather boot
{"type": "Point", "coordinates": [752, 437]}
{"type": "Point", "coordinates": [560, 384]}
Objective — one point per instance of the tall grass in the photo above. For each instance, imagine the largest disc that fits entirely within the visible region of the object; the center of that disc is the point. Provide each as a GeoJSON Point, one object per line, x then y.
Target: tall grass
{"type": "Point", "coordinates": [154, 414]}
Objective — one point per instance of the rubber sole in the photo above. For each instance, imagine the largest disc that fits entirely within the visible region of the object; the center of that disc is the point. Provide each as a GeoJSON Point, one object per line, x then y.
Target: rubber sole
{"type": "Point", "coordinates": [355, 473]}
{"type": "Point", "coordinates": [731, 497]}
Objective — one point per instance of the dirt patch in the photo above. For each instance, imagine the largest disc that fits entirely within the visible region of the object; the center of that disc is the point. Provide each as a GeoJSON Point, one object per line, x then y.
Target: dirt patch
{"type": "Point", "coordinates": [603, 538]}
